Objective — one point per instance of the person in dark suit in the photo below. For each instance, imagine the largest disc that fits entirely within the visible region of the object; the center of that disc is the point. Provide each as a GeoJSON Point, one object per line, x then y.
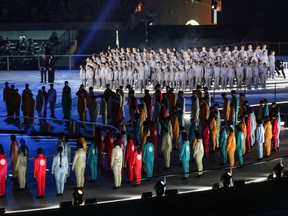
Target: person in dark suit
{"type": "Point", "coordinates": [51, 69]}
{"type": "Point", "coordinates": [43, 68]}
{"type": "Point", "coordinates": [279, 67]}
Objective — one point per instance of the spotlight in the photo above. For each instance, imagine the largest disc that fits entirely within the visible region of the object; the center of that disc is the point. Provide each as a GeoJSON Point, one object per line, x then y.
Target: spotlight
{"type": "Point", "coordinates": [226, 179]}
{"type": "Point", "coordinates": [2, 211]}
{"type": "Point", "coordinates": [214, 4]}
{"type": "Point", "coordinates": [146, 195]}
{"type": "Point", "coordinates": [215, 186]}
{"type": "Point", "coordinates": [92, 201]}
{"type": "Point", "coordinates": [277, 170]}
{"type": "Point", "coordinates": [159, 187]}
{"type": "Point", "coordinates": [77, 197]}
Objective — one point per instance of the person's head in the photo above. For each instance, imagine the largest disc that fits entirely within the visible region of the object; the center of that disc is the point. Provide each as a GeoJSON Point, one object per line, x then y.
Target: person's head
{"type": "Point", "coordinates": [79, 145]}
{"type": "Point", "coordinates": [22, 142]}
{"type": "Point", "coordinates": [224, 95]}
{"type": "Point", "coordinates": [233, 92]}
{"type": "Point", "coordinates": [165, 130]}
{"type": "Point", "coordinates": [184, 136]}
{"type": "Point", "coordinates": [51, 85]}
{"type": "Point", "coordinates": [12, 137]}
{"type": "Point", "coordinates": [66, 83]}
{"type": "Point", "coordinates": [22, 149]}
{"type": "Point", "coordinates": [230, 129]}
{"type": "Point", "coordinates": [1, 149]}
{"type": "Point", "coordinates": [39, 151]}
{"type": "Point", "coordinates": [197, 134]}
{"type": "Point", "coordinates": [148, 139]}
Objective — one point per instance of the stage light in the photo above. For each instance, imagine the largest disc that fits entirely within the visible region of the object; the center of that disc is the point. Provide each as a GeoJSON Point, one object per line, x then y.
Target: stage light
{"type": "Point", "coordinates": [171, 192]}
{"type": "Point", "coordinates": [77, 197]}
{"type": "Point", "coordinates": [192, 22]}
{"type": "Point", "coordinates": [92, 201]}
{"type": "Point", "coordinates": [277, 170]}
{"type": "Point", "coordinates": [214, 4]}
{"type": "Point", "coordinates": [159, 187]}
{"type": "Point", "coordinates": [215, 186]}
{"type": "Point", "coordinates": [2, 211]}
{"type": "Point", "coordinates": [226, 179]}
{"type": "Point", "coordinates": [66, 204]}
{"type": "Point", "coordinates": [146, 195]}
{"type": "Point", "coordinates": [285, 174]}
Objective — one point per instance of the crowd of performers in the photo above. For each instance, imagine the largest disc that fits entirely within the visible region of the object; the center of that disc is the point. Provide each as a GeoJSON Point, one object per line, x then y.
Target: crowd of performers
{"type": "Point", "coordinates": [158, 124]}
{"type": "Point", "coordinates": [181, 69]}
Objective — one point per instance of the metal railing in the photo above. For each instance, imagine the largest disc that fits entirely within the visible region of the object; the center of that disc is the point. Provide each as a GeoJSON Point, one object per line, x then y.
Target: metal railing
{"type": "Point", "coordinates": [31, 62]}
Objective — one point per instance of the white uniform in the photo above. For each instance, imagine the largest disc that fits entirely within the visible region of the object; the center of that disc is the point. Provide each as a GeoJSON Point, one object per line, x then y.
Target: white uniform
{"type": "Point", "coordinates": [239, 74]}
{"type": "Point", "coordinates": [83, 77]}
{"type": "Point", "coordinates": [231, 75]}
{"type": "Point", "coordinates": [198, 155]}
{"type": "Point", "coordinates": [263, 76]}
{"type": "Point", "coordinates": [60, 170]}
{"type": "Point", "coordinates": [116, 78]}
{"type": "Point", "coordinates": [255, 72]}
{"type": "Point", "coordinates": [21, 167]}
{"type": "Point", "coordinates": [142, 78]}
{"type": "Point", "coordinates": [90, 77]}
{"type": "Point", "coordinates": [183, 77]}
{"type": "Point", "coordinates": [217, 71]}
{"type": "Point", "coordinates": [79, 165]}
{"type": "Point", "coordinates": [130, 77]}
{"type": "Point", "coordinates": [271, 66]}
{"type": "Point", "coordinates": [67, 151]}
{"type": "Point", "coordinates": [208, 76]}
{"type": "Point", "coordinates": [224, 76]}
{"type": "Point", "coordinates": [116, 164]}
{"type": "Point", "coordinates": [249, 77]}
{"type": "Point", "coordinates": [97, 78]}
{"type": "Point", "coordinates": [198, 74]}
{"type": "Point", "coordinates": [166, 148]}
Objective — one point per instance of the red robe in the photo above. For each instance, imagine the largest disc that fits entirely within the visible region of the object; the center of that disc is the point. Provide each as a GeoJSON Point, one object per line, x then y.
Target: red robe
{"type": "Point", "coordinates": [3, 173]}
{"type": "Point", "coordinates": [130, 159]}
{"type": "Point", "coordinates": [109, 145]}
{"type": "Point", "coordinates": [275, 131]}
{"type": "Point", "coordinates": [248, 136]}
{"type": "Point", "coordinates": [137, 166]}
{"type": "Point", "coordinates": [206, 137]}
{"type": "Point", "coordinates": [40, 164]}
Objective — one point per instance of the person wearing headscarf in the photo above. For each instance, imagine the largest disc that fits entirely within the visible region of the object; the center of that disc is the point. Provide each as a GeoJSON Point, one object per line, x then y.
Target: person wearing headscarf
{"type": "Point", "coordinates": [60, 170]}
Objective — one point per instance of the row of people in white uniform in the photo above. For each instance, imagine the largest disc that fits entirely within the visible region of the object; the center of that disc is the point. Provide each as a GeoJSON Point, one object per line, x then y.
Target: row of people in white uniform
{"type": "Point", "coordinates": [185, 76]}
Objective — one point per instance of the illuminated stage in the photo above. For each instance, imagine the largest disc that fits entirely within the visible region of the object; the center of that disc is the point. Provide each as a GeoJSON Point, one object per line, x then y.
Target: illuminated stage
{"type": "Point", "coordinates": [102, 189]}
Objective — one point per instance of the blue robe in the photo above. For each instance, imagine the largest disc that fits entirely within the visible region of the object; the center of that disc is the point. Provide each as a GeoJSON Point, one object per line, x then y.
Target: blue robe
{"type": "Point", "coordinates": [148, 158]}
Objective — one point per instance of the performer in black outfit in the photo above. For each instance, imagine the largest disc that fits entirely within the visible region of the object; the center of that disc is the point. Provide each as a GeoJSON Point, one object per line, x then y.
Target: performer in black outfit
{"type": "Point", "coordinates": [51, 69]}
